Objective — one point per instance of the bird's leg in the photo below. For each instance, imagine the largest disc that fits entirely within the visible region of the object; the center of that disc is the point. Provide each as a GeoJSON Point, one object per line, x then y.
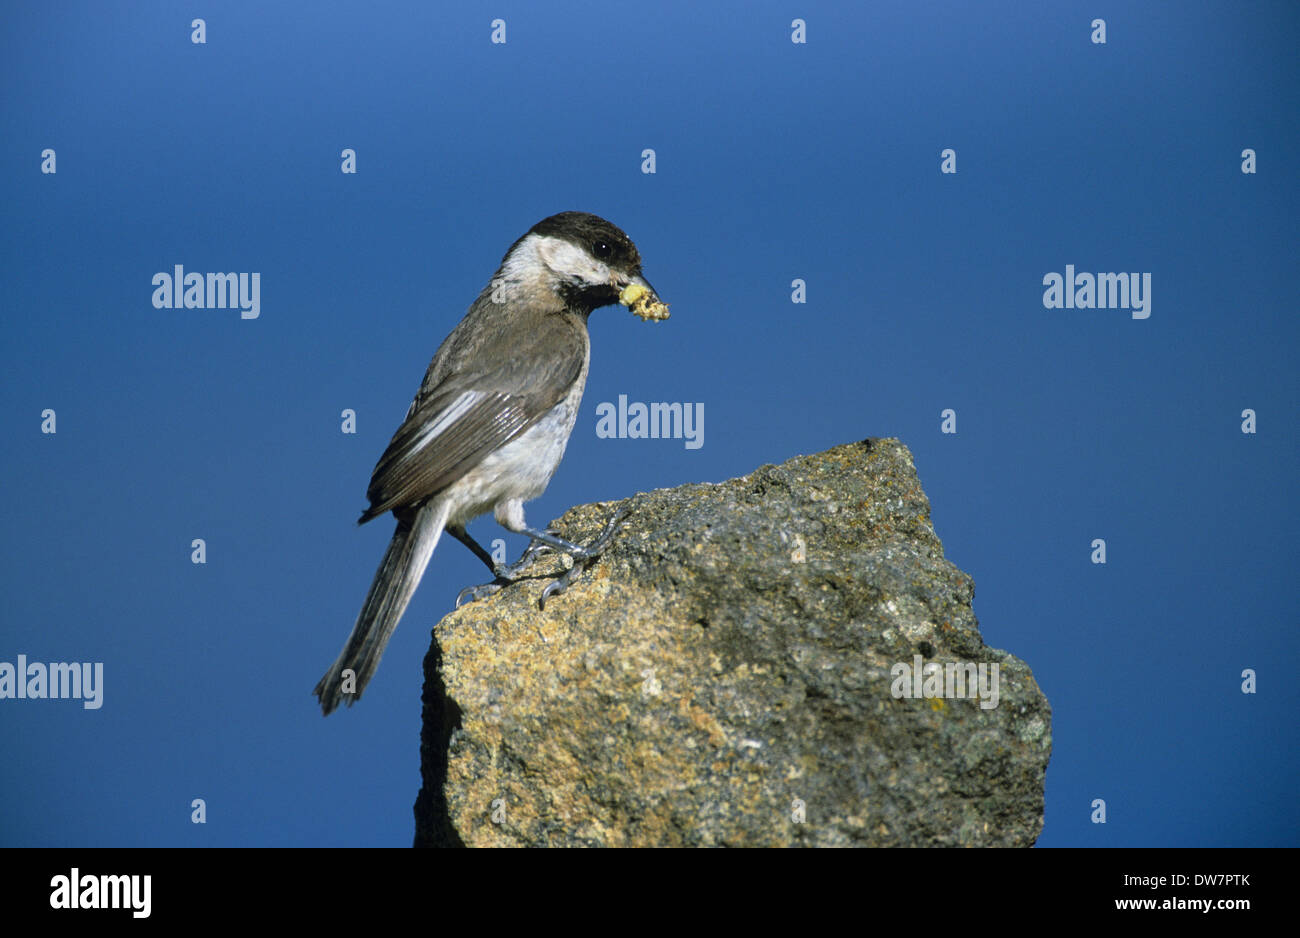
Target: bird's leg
{"type": "Point", "coordinates": [459, 533]}
{"type": "Point", "coordinates": [471, 593]}
{"type": "Point", "coordinates": [505, 575]}
{"type": "Point", "coordinates": [539, 541]}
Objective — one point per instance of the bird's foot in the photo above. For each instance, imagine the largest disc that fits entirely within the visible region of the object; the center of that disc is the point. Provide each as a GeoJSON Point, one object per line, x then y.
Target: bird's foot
{"type": "Point", "coordinates": [584, 556]}
{"type": "Point", "coordinates": [513, 571]}
{"type": "Point", "coordinates": [505, 575]}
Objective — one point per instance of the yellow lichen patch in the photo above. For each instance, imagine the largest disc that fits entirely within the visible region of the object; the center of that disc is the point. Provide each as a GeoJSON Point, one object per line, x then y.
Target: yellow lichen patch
{"type": "Point", "coordinates": [643, 303]}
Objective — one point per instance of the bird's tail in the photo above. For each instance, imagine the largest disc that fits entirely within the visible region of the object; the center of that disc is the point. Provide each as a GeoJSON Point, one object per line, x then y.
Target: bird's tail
{"type": "Point", "coordinates": [395, 582]}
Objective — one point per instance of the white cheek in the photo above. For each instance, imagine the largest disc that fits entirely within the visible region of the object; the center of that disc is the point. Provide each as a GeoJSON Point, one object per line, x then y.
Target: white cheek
{"type": "Point", "coordinates": [570, 262]}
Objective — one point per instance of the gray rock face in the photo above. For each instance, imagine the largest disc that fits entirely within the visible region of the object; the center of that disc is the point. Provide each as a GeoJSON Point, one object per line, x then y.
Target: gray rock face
{"type": "Point", "coordinates": [731, 673]}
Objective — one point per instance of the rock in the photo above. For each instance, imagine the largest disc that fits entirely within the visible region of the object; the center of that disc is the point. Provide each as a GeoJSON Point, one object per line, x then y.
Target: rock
{"type": "Point", "coordinates": [725, 675]}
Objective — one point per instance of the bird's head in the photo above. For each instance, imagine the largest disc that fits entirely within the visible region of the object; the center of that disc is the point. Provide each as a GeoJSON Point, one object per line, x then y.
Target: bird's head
{"type": "Point", "coordinates": [584, 261]}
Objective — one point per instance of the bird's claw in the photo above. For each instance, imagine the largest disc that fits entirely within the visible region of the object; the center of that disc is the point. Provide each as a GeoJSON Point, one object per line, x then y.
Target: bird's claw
{"type": "Point", "coordinates": [611, 527]}
{"type": "Point", "coordinates": [560, 584]}
{"type": "Point", "coordinates": [475, 593]}
{"type": "Point", "coordinates": [587, 555]}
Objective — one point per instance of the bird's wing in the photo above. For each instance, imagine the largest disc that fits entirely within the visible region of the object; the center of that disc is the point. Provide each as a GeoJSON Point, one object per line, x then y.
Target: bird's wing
{"type": "Point", "coordinates": [452, 427]}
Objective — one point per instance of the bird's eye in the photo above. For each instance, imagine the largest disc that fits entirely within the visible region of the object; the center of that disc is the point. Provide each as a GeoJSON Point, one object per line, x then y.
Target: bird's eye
{"type": "Point", "coordinates": [601, 249]}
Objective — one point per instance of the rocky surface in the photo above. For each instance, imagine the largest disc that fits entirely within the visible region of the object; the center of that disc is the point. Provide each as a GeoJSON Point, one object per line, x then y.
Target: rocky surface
{"type": "Point", "coordinates": [726, 675]}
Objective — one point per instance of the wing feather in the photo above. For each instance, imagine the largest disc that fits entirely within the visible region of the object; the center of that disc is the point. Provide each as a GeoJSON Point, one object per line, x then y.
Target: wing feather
{"type": "Point", "coordinates": [452, 426]}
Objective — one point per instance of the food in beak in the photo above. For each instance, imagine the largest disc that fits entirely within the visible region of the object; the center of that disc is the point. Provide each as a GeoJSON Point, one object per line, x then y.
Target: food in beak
{"type": "Point", "coordinates": [643, 302]}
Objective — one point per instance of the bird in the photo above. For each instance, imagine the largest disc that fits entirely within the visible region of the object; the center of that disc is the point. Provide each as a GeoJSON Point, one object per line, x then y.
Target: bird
{"type": "Point", "coordinates": [489, 424]}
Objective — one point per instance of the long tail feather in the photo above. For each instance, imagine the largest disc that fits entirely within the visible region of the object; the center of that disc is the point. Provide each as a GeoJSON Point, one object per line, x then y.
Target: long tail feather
{"type": "Point", "coordinates": [395, 582]}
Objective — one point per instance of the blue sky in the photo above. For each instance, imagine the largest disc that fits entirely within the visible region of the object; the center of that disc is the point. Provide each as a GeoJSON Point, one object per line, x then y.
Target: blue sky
{"type": "Point", "coordinates": [775, 161]}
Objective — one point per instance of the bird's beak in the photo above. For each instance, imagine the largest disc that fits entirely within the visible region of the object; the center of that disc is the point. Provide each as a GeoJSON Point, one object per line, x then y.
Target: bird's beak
{"type": "Point", "coordinates": [641, 298]}
{"type": "Point", "coordinates": [643, 282]}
